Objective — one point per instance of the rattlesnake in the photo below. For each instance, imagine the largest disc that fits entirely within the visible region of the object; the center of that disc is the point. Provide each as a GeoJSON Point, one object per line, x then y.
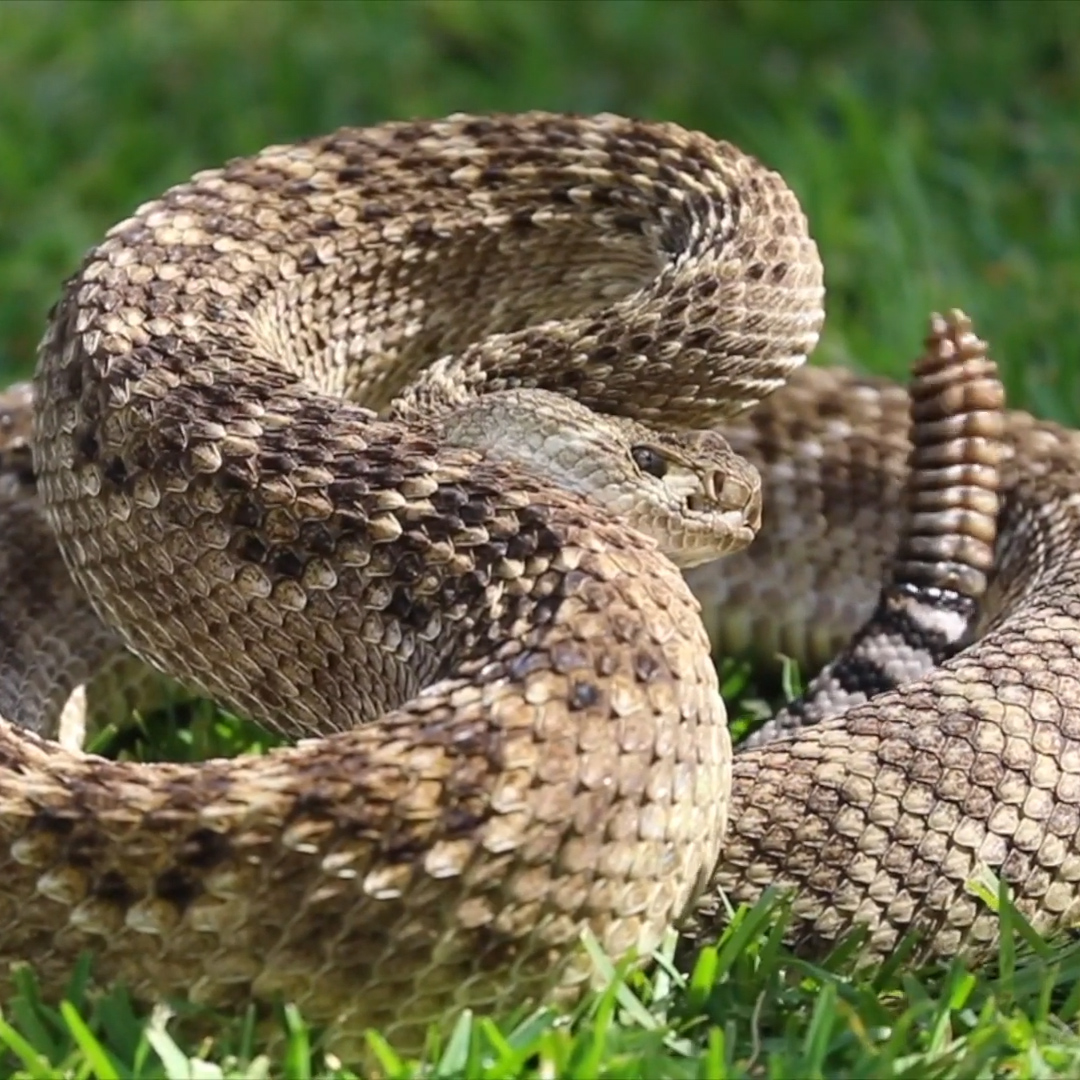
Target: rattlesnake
{"type": "Point", "coordinates": [541, 745]}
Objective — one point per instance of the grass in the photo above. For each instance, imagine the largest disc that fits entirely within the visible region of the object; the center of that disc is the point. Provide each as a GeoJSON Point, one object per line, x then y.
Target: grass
{"type": "Point", "coordinates": [936, 150]}
{"type": "Point", "coordinates": [746, 1009]}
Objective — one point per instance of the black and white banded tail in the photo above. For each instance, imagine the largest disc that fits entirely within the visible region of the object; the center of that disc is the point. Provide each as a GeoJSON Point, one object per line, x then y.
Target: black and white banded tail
{"type": "Point", "coordinates": [929, 602]}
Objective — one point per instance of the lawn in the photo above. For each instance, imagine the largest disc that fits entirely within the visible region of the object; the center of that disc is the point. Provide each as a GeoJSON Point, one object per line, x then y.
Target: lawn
{"type": "Point", "coordinates": [936, 149]}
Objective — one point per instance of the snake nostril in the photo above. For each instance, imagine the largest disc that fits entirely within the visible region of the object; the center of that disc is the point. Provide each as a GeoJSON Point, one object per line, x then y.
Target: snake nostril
{"type": "Point", "coordinates": [734, 495]}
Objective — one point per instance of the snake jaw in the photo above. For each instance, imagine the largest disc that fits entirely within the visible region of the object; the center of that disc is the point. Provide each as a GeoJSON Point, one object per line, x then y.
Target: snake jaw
{"type": "Point", "coordinates": [729, 494]}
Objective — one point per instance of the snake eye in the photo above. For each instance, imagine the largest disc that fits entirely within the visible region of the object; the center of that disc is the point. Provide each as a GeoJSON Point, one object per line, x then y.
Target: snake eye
{"type": "Point", "coordinates": [649, 461]}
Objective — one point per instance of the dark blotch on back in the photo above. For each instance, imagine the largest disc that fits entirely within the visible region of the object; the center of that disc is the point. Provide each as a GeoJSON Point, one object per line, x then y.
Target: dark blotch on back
{"type": "Point", "coordinates": [251, 549]}
{"type": "Point", "coordinates": [288, 565]}
{"type": "Point", "coordinates": [583, 694]}
{"type": "Point", "coordinates": [49, 822]}
{"type": "Point", "coordinates": [116, 473]}
{"type": "Point", "coordinates": [113, 888]}
{"type": "Point", "coordinates": [175, 887]}
{"type": "Point", "coordinates": [646, 666]}
{"type": "Point", "coordinates": [86, 448]}
{"type": "Point", "coordinates": [203, 850]}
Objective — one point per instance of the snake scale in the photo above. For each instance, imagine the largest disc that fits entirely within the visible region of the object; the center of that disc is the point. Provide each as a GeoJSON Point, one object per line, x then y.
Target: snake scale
{"type": "Point", "coordinates": [244, 475]}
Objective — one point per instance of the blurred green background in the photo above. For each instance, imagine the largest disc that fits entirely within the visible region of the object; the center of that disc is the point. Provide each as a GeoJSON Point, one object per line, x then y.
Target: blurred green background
{"type": "Point", "coordinates": [935, 146]}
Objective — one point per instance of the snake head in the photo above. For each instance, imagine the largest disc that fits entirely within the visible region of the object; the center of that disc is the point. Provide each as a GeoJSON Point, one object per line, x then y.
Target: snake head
{"type": "Point", "coordinates": [688, 490]}
{"type": "Point", "coordinates": [715, 495]}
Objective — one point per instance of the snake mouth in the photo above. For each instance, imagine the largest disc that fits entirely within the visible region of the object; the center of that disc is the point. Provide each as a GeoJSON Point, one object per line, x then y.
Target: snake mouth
{"type": "Point", "coordinates": [724, 508]}
{"type": "Point", "coordinates": [733, 522]}
{"type": "Point", "coordinates": [725, 495]}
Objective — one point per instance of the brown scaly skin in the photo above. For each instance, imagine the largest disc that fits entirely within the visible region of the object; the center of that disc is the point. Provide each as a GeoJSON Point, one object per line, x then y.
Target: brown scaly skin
{"type": "Point", "coordinates": [882, 816]}
{"type": "Point", "coordinates": [544, 748]}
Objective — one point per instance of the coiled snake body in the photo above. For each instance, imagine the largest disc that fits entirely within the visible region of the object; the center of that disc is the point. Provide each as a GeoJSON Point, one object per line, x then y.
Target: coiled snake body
{"type": "Point", "coordinates": [241, 449]}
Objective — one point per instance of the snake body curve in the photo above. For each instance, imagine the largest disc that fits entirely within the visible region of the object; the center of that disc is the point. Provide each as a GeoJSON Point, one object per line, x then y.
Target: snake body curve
{"type": "Point", "coordinates": [541, 745]}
